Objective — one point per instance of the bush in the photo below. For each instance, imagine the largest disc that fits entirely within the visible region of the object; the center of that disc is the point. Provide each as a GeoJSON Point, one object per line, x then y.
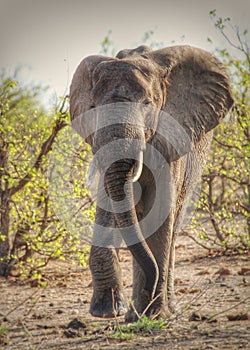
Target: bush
{"type": "Point", "coordinates": [31, 233]}
{"type": "Point", "coordinates": [223, 218]}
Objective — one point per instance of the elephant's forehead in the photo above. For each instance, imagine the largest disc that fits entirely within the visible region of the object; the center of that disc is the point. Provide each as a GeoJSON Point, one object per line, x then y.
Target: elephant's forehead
{"type": "Point", "coordinates": [118, 89]}
{"type": "Point", "coordinates": [121, 82]}
{"type": "Point", "coordinates": [110, 69]}
{"type": "Point", "coordinates": [127, 68]}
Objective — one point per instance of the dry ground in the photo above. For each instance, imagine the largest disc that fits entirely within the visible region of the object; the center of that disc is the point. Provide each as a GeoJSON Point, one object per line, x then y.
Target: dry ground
{"type": "Point", "coordinates": [212, 296]}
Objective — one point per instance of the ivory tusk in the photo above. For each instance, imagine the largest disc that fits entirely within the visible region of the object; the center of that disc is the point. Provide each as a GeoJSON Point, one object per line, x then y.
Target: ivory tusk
{"type": "Point", "coordinates": [138, 167]}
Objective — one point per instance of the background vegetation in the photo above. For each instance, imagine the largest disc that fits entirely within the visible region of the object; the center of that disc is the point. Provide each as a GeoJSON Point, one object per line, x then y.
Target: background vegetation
{"type": "Point", "coordinates": [30, 136]}
{"type": "Point", "coordinates": [31, 233]}
{"type": "Point", "coordinates": [222, 220]}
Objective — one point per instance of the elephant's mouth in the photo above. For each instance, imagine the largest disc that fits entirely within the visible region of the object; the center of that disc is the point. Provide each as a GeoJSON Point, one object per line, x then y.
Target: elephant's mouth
{"type": "Point", "coordinates": [94, 170]}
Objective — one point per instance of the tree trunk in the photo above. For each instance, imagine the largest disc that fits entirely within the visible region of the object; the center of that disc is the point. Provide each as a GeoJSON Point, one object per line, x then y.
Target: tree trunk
{"type": "Point", "coordinates": [4, 212]}
{"type": "Point", "coordinates": [4, 233]}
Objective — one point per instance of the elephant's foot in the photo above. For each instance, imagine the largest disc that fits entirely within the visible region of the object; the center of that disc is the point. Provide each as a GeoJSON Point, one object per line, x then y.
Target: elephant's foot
{"type": "Point", "coordinates": [152, 309]}
{"type": "Point", "coordinates": [108, 304]}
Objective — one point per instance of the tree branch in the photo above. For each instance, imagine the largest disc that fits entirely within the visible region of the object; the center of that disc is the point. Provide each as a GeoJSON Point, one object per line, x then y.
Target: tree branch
{"type": "Point", "coordinates": [45, 149]}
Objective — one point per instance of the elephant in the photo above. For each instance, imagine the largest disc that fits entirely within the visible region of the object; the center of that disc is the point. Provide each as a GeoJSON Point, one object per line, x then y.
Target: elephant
{"type": "Point", "coordinates": [152, 112]}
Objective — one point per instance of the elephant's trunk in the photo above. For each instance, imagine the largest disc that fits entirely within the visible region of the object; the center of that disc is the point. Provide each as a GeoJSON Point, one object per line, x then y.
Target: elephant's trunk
{"type": "Point", "coordinates": [127, 222]}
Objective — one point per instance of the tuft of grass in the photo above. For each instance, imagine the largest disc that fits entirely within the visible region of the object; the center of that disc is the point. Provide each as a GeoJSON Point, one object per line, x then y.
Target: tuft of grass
{"type": "Point", "coordinates": [4, 339]}
{"type": "Point", "coordinates": [144, 326]}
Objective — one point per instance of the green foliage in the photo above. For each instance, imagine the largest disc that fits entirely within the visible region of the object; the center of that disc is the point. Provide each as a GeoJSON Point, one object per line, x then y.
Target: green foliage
{"type": "Point", "coordinates": [107, 46]}
{"type": "Point", "coordinates": [222, 218]}
{"type": "Point", "coordinates": [148, 39]}
{"type": "Point", "coordinates": [143, 327]}
{"type": "Point", "coordinates": [28, 134]}
{"type": "Point", "coordinates": [4, 339]}
{"type": "Point", "coordinates": [3, 330]}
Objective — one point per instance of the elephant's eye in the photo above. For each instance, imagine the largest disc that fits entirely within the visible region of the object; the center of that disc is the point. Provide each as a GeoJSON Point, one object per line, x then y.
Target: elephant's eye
{"type": "Point", "coordinates": [147, 102]}
{"type": "Point", "coordinates": [92, 106]}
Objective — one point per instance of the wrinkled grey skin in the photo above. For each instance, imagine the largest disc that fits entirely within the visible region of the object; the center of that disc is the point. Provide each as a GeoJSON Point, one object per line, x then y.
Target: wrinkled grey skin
{"type": "Point", "coordinates": [193, 87]}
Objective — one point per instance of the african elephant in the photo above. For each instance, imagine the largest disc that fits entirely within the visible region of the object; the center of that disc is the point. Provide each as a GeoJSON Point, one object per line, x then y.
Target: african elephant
{"type": "Point", "coordinates": [161, 105]}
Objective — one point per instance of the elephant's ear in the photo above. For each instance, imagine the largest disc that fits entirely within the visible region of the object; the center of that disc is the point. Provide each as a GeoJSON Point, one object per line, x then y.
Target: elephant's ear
{"type": "Point", "coordinates": [81, 88]}
{"type": "Point", "coordinates": [198, 96]}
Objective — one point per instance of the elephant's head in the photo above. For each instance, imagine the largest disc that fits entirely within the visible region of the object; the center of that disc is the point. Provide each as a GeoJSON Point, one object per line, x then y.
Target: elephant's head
{"type": "Point", "coordinates": [131, 89]}
{"type": "Point", "coordinates": [168, 98]}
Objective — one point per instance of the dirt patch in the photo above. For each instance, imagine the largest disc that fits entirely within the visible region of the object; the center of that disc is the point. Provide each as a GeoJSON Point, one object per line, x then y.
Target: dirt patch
{"type": "Point", "coordinates": [212, 302]}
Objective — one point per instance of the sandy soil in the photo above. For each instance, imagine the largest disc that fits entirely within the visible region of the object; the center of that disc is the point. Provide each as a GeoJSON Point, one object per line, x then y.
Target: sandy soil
{"type": "Point", "coordinates": [212, 299]}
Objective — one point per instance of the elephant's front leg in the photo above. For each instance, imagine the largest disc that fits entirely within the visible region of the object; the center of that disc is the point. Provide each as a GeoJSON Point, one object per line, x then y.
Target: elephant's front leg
{"type": "Point", "coordinates": [108, 299]}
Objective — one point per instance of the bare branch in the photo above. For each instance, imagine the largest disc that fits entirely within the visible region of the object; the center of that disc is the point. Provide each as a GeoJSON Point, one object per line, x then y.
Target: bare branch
{"type": "Point", "coordinates": [196, 241]}
{"type": "Point", "coordinates": [21, 303]}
